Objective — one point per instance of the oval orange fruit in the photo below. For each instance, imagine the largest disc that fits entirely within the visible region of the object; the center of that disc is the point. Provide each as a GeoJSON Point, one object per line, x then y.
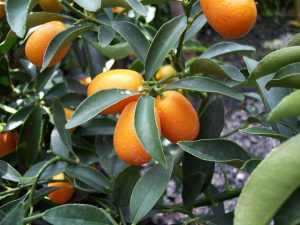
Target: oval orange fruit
{"type": "Point", "coordinates": [126, 143]}
{"type": "Point", "coordinates": [179, 120]}
{"type": "Point", "coordinates": [39, 40]}
{"type": "Point", "coordinates": [2, 9]}
{"type": "Point", "coordinates": [50, 6]}
{"type": "Point", "coordinates": [230, 18]}
{"type": "Point", "coordinates": [165, 71]}
{"type": "Point", "coordinates": [63, 194]}
{"type": "Point", "coordinates": [8, 143]}
{"type": "Point", "coordinates": [119, 78]}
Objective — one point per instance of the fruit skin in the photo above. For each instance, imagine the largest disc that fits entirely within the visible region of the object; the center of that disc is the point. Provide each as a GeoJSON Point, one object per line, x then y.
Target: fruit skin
{"type": "Point", "coordinates": [2, 9]}
{"type": "Point", "coordinates": [230, 18]}
{"type": "Point", "coordinates": [85, 81]}
{"type": "Point", "coordinates": [68, 114]}
{"type": "Point", "coordinates": [179, 120]}
{"type": "Point", "coordinates": [8, 143]}
{"type": "Point", "coordinates": [165, 71]}
{"type": "Point", "coordinates": [61, 195]}
{"type": "Point", "coordinates": [126, 143]}
{"type": "Point", "coordinates": [119, 78]}
{"type": "Point", "coordinates": [50, 6]}
{"type": "Point", "coordinates": [39, 40]}
{"type": "Point", "coordinates": [117, 9]}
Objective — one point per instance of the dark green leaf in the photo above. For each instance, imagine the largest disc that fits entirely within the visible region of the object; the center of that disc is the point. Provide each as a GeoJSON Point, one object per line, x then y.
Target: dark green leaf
{"type": "Point", "coordinates": [197, 25]}
{"type": "Point", "coordinates": [14, 216]}
{"type": "Point", "coordinates": [192, 186]}
{"type": "Point", "coordinates": [61, 39]}
{"type": "Point", "coordinates": [90, 177]}
{"type": "Point", "coordinates": [225, 219]}
{"type": "Point", "coordinates": [96, 103]}
{"type": "Point", "coordinates": [163, 42]}
{"type": "Point", "coordinates": [7, 172]}
{"type": "Point", "coordinates": [225, 48]}
{"type": "Point", "coordinates": [105, 35]}
{"type": "Point", "coordinates": [52, 170]}
{"type": "Point", "coordinates": [137, 6]}
{"type": "Point", "coordinates": [148, 190]}
{"type": "Point", "coordinates": [263, 131]}
{"type": "Point", "coordinates": [18, 118]}
{"type": "Point", "coordinates": [30, 139]}
{"type": "Point", "coordinates": [124, 185]}
{"type": "Point", "coordinates": [205, 84]}
{"type": "Point", "coordinates": [217, 150]}
{"type": "Point", "coordinates": [146, 128]}
{"type": "Point", "coordinates": [5, 83]}
{"type": "Point", "coordinates": [135, 38]}
{"type": "Point", "coordinates": [78, 214]}
{"type": "Point", "coordinates": [250, 165]}
{"type": "Point", "coordinates": [58, 146]}
{"type": "Point", "coordinates": [278, 172]}
{"type": "Point", "coordinates": [97, 126]}
{"type": "Point", "coordinates": [274, 61]}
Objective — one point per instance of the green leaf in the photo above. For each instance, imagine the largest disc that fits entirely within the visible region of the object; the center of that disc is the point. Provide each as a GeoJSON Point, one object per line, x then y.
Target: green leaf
{"type": "Point", "coordinates": [210, 67]}
{"type": "Point", "coordinates": [289, 212]}
{"type": "Point", "coordinates": [41, 193]}
{"type": "Point", "coordinates": [7, 172]}
{"type": "Point", "coordinates": [137, 6]}
{"type": "Point", "coordinates": [96, 103]}
{"type": "Point", "coordinates": [197, 25]}
{"type": "Point", "coordinates": [225, 48]}
{"type": "Point", "coordinates": [97, 126]}
{"type": "Point", "coordinates": [17, 12]}
{"type": "Point", "coordinates": [44, 79]}
{"type": "Point", "coordinates": [60, 122]}
{"type": "Point", "coordinates": [278, 172]}
{"type": "Point", "coordinates": [295, 41]}
{"type": "Point", "coordinates": [14, 216]}
{"type": "Point", "coordinates": [124, 185]}
{"type": "Point", "coordinates": [163, 42]}
{"type": "Point", "coordinates": [52, 170]}
{"type": "Point", "coordinates": [18, 118]}
{"type": "Point", "coordinates": [225, 219]}
{"type": "Point", "coordinates": [30, 139]}
{"type": "Point", "coordinates": [135, 38]}
{"type": "Point", "coordinates": [286, 107]}
{"type": "Point", "coordinates": [217, 150]}
{"type": "Point", "coordinates": [148, 190]}
{"type": "Point", "coordinates": [146, 128]}
{"type": "Point", "coordinates": [58, 146]}
{"type": "Point", "coordinates": [263, 131]}
{"type": "Point", "coordinates": [274, 61]}
{"type": "Point", "coordinates": [205, 84]}
{"type": "Point", "coordinates": [78, 214]}
{"type": "Point", "coordinates": [91, 5]}
{"type": "Point", "coordinates": [105, 35]}
{"type": "Point", "coordinates": [61, 39]}
{"type": "Point", "coordinates": [288, 76]}
{"type": "Point", "coordinates": [191, 187]}
{"type": "Point", "coordinates": [90, 176]}
{"type": "Point", "coordinates": [5, 83]}
{"type": "Point", "coordinates": [250, 165]}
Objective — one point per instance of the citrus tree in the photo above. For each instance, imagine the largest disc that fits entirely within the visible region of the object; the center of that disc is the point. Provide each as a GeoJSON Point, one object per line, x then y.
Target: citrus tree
{"type": "Point", "coordinates": [85, 143]}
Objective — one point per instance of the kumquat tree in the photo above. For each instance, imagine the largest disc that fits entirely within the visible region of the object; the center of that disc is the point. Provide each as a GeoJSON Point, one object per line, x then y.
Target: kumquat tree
{"type": "Point", "coordinates": [120, 112]}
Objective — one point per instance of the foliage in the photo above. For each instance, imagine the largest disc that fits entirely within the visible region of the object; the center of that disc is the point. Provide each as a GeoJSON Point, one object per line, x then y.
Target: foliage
{"type": "Point", "coordinates": [108, 191]}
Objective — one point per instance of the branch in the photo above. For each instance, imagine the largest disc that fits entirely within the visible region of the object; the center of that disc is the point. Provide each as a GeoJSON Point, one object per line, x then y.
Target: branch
{"type": "Point", "coordinates": [123, 3]}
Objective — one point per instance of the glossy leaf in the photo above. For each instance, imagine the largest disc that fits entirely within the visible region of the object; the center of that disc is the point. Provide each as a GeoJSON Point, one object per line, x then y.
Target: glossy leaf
{"type": "Point", "coordinates": [225, 48]}
{"type": "Point", "coordinates": [96, 103]}
{"type": "Point", "coordinates": [30, 139]}
{"type": "Point", "coordinates": [288, 76]}
{"type": "Point", "coordinates": [105, 35]}
{"type": "Point", "coordinates": [17, 12]}
{"type": "Point", "coordinates": [90, 176]}
{"type": "Point", "coordinates": [91, 5]}
{"type": "Point", "coordinates": [18, 118]}
{"type": "Point", "coordinates": [61, 39]}
{"type": "Point", "coordinates": [14, 216]}
{"type": "Point", "coordinates": [217, 150]}
{"type": "Point", "coordinates": [52, 170]}
{"type": "Point", "coordinates": [210, 67]}
{"type": "Point", "coordinates": [205, 84]}
{"type": "Point", "coordinates": [78, 214]}
{"type": "Point", "coordinates": [137, 6]}
{"type": "Point", "coordinates": [163, 42]}
{"type": "Point", "coordinates": [290, 211]}
{"type": "Point", "coordinates": [250, 165]}
{"type": "Point", "coordinates": [278, 169]}
{"type": "Point", "coordinates": [263, 131]}
{"type": "Point", "coordinates": [97, 126]}
{"type": "Point", "coordinates": [58, 146]}
{"type": "Point", "coordinates": [286, 107]}
{"type": "Point", "coordinates": [146, 128]}
{"type": "Point", "coordinates": [135, 38]}
{"type": "Point", "coordinates": [192, 186]}
{"type": "Point", "coordinates": [197, 25]}
{"type": "Point", "coordinates": [148, 190]}
{"type": "Point", "coordinates": [7, 172]}
{"type": "Point", "coordinates": [124, 185]}
{"type": "Point", "coordinates": [275, 61]}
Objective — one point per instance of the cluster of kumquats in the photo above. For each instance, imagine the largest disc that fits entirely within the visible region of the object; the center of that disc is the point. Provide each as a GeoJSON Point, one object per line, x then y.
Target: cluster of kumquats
{"type": "Point", "coordinates": [176, 118]}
